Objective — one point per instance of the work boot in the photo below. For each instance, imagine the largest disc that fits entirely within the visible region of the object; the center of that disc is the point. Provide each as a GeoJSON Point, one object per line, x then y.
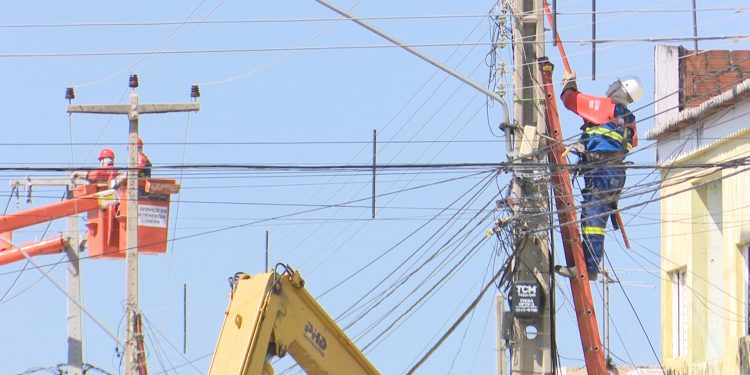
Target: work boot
{"type": "Point", "coordinates": [570, 272]}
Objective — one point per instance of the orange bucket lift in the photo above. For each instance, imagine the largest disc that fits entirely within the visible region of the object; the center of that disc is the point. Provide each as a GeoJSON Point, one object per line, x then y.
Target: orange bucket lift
{"type": "Point", "coordinates": [106, 222]}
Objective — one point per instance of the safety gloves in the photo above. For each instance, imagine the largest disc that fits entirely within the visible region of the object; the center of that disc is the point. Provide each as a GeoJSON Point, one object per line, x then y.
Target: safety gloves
{"type": "Point", "coordinates": [569, 81]}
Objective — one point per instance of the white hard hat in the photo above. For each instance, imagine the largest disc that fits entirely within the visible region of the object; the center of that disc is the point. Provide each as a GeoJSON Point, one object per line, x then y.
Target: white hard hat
{"type": "Point", "coordinates": [633, 87]}
{"type": "Point", "coordinates": [625, 90]}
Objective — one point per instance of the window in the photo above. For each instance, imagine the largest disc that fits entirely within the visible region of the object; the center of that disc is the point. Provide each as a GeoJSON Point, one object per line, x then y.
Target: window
{"type": "Point", "coordinates": [679, 313]}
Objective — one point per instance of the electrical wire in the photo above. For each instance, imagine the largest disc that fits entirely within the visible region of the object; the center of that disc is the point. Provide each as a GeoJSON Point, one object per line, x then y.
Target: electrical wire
{"type": "Point", "coordinates": [413, 177]}
{"type": "Point", "coordinates": [728, 314]}
{"type": "Point", "coordinates": [3, 299]}
{"type": "Point", "coordinates": [175, 219]}
{"type": "Point", "coordinates": [456, 324]}
{"type": "Point", "coordinates": [644, 330]}
{"type": "Point", "coordinates": [441, 280]}
{"type": "Point", "coordinates": [382, 254]}
{"type": "Point", "coordinates": [640, 322]}
{"type": "Point", "coordinates": [623, 209]}
{"type": "Point", "coordinates": [408, 273]}
{"type": "Point", "coordinates": [255, 143]}
{"type": "Point", "coordinates": [238, 50]}
{"type": "Point", "coordinates": [138, 61]}
{"type": "Point", "coordinates": [185, 35]}
{"type": "Point", "coordinates": [268, 219]}
{"type": "Point", "coordinates": [187, 362]}
{"type": "Point", "coordinates": [411, 310]}
{"type": "Point", "coordinates": [649, 342]}
{"type": "Point", "coordinates": [354, 233]}
{"type": "Point", "coordinates": [280, 59]}
{"type": "Point", "coordinates": [329, 19]}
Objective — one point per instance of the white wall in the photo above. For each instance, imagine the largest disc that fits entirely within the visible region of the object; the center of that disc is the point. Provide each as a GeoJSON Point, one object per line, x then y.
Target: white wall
{"type": "Point", "coordinates": [667, 82]}
{"type": "Point", "coordinates": [704, 133]}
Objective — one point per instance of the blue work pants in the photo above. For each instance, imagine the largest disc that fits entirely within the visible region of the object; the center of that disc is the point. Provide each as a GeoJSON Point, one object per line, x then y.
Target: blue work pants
{"type": "Point", "coordinates": [600, 195]}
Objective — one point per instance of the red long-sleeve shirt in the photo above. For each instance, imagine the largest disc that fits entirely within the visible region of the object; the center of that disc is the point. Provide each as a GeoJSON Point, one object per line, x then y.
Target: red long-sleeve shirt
{"type": "Point", "coordinates": [103, 174]}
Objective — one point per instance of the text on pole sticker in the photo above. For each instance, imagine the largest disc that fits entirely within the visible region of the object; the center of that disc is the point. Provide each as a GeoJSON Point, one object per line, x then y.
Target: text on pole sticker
{"type": "Point", "coordinates": [152, 216]}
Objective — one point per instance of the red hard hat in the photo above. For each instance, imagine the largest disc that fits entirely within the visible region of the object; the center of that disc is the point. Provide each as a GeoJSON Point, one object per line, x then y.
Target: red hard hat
{"type": "Point", "coordinates": [106, 153]}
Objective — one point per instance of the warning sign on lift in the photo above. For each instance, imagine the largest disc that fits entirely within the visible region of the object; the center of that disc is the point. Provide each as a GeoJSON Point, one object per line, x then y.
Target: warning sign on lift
{"type": "Point", "coordinates": [152, 216]}
{"type": "Point", "coordinates": [526, 300]}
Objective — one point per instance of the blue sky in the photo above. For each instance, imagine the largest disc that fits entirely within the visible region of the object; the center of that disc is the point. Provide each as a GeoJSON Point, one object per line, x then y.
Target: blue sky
{"type": "Point", "coordinates": [266, 100]}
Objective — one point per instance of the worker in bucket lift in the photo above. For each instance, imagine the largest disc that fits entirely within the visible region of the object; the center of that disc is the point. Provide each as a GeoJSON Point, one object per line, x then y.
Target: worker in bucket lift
{"type": "Point", "coordinates": [106, 170]}
{"type": "Point", "coordinates": [608, 133]}
{"type": "Point", "coordinates": [144, 164]}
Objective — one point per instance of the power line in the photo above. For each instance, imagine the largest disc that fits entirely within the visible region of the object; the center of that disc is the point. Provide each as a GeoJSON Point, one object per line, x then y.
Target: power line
{"type": "Point", "coordinates": [644, 330]}
{"type": "Point", "coordinates": [386, 252]}
{"type": "Point", "coordinates": [638, 318]}
{"type": "Point", "coordinates": [161, 43]}
{"type": "Point", "coordinates": [332, 19]}
{"type": "Point", "coordinates": [396, 166]}
{"type": "Point", "coordinates": [735, 38]}
{"type": "Point", "coordinates": [277, 60]}
{"type": "Point", "coordinates": [456, 323]}
{"type": "Point", "coordinates": [410, 270]}
{"type": "Point", "coordinates": [254, 143]}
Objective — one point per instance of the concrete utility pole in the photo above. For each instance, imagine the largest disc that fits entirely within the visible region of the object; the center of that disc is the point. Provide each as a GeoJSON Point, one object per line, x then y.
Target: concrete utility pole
{"type": "Point", "coordinates": [72, 248]}
{"type": "Point", "coordinates": [529, 187]}
{"type": "Point", "coordinates": [134, 355]}
{"type": "Point", "coordinates": [531, 339]}
{"type": "Point", "coordinates": [501, 345]}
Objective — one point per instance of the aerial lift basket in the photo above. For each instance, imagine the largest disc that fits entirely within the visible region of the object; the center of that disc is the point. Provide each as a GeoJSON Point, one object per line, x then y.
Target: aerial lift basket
{"type": "Point", "coordinates": [108, 228]}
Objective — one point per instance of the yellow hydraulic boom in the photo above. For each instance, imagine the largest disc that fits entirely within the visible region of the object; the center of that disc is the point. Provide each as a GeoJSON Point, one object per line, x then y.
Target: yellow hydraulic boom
{"type": "Point", "coordinates": [272, 314]}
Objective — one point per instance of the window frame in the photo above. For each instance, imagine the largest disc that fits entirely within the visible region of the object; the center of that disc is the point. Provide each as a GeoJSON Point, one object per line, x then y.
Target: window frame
{"type": "Point", "coordinates": [679, 312]}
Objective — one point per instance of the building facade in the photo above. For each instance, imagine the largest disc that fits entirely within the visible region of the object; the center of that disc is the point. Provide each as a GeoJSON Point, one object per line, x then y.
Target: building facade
{"type": "Point", "coordinates": [702, 134]}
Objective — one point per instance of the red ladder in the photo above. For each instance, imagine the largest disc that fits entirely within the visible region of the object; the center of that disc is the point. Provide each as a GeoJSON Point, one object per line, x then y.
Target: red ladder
{"type": "Point", "coordinates": [571, 235]}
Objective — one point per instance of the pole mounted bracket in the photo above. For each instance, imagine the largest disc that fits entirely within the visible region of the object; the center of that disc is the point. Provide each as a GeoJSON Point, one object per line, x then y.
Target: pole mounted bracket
{"type": "Point", "coordinates": [133, 113]}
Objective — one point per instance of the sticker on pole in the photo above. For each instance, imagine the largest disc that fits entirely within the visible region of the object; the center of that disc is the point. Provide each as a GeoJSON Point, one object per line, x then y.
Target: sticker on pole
{"type": "Point", "coordinates": [527, 301]}
{"type": "Point", "coordinates": [152, 216]}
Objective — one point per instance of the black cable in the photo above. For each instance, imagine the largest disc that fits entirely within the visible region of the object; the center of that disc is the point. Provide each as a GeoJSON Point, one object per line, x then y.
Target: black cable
{"type": "Point", "coordinates": [468, 325]}
{"type": "Point", "coordinates": [637, 317]}
{"type": "Point", "coordinates": [425, 296]}
{"type": "Point", "coordinates": [386, 252]}
{"type": "Point", "coordinates": [318, 209]}
{"type": "Point", "coordinates": [175, 348]}
{"type": "Point", "coordinates": [712, 75]}
{"type": "Point", "coordinates": [727, 314]}
{"type": "Point", "coordinates": [408, 275]}
{"type": "Point", "coordinates": [552, 280]}
{"type": "Point", "coordinates": [328, 19]}
{"type": "Point", "coordinates": [254, 222]}
{"type": "Point", "coordinates": [456, 324]}
{"type": "Point", "coordinates": [240, 169]}
{"type": "Point", "coordinates": [631, 304]}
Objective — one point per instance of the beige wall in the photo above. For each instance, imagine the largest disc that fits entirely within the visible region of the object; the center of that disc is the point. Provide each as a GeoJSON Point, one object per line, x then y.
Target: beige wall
{"type": "Point", "coordinates": [704, 230]}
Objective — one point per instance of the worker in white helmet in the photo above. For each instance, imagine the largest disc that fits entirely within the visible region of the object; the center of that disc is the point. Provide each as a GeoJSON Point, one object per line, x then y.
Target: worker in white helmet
{"type": "Point", "coordinates": [609, 133]}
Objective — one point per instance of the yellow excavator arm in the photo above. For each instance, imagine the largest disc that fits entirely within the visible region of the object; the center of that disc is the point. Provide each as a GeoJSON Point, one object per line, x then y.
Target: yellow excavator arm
{"type": "Point", "coordinates": [272, 314]}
